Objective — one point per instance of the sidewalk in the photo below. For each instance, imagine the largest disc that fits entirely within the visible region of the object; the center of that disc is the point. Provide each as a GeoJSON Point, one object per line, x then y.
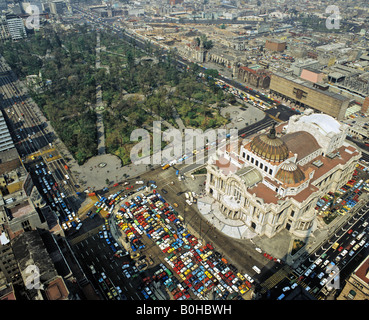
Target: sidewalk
{"type": "Point", "coordinates": [232, 228]}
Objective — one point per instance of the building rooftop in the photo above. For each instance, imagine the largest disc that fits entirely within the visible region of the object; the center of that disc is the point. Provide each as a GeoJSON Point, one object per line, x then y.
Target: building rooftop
{"type": "Point", "coordinates": [362, 271]}
{"type": "Point", "coordinates": [310, 86]}
{"type": "Point", "coordinates": [21, 209]}
{"type": "Point", "coordinates": [323, 122]}
{"type": "Point", "coordinates": [56, 290]}
{"type": "Point", "coordinates": [293, 142]}
{"type": "Point", "coordinates": [29, 249]}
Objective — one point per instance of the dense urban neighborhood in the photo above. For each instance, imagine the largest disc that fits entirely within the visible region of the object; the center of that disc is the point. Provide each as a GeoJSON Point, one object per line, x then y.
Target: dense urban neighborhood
{"type": "Point", "coordinates": [187, 150]}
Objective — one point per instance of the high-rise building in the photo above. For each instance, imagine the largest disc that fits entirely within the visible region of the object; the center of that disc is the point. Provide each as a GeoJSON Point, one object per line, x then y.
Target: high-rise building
{"type": "Point", "coordinates": [6, 141]}
{"type": "Point", "coordinates": [15, 27]}
{"type": "Point", "coordinates": [3, 5]}
{"type": "Point", "coordinates": [4, 30]}
{"type": "Point", "coordinates": [57, 7]}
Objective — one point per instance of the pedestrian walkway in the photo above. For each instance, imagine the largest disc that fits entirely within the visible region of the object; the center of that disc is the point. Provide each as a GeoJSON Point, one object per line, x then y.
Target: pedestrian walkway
{"type": "Point", "coordinates": [99, 105]}
{"type": "Point", "coordinates": [230, 227]}
{"type": "Point", "coordinates": [273, 280]}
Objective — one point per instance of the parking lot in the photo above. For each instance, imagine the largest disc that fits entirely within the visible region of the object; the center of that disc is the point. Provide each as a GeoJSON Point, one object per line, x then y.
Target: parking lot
{"type": "Point", "coordinates": [145, 244]}
{"type": "Point", "coordinates": [112, 271]}
{"type": "Point", "coordinates": [346, 198]}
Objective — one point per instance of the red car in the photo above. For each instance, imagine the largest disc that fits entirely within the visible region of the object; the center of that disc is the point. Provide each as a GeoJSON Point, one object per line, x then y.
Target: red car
{"type": "Point", "coordinates": [340, 249]}
{"type": "Point", "coordinates": [350, 231]}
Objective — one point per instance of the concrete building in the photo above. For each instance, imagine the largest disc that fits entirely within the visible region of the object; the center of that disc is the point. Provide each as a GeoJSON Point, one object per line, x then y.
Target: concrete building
{"type": "Point", "coordinates": [357, 284]}
{"type": "Point", "coordinates": [57, 7]}
{"type": "Point", "coordinates": [275, 45]}
{"type": "Point", "coordinates": [9, 270]}
{"type": "Point", "coordinates": [298, 66]}
{"type": "Point", "coordinates": [273, 181]}
{"type": "Point", "coordinates": [16, 27]}
{"type": "Point", "coordinates": [6, 141]}
{"type": "Point", "coordinates": [31, 254]}
{"type": "Point", "coordinates": [195, 52]}
{"type": "Point", "coordinates": [309, 95]}
{"type": "Point", "coordinates": [3, 5]}
{"type": "Point", "coordinates": [4, 30]}
{"type": "Point", "coordinates": [312, 75]}
{"type": "Point", "coordinates": [257, 78]}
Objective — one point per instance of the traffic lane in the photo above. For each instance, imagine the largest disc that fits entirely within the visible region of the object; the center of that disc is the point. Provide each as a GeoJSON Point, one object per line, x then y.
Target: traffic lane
{"type": "Point", "coordinates": [344, 239]}
{"type": "Point", "coordinates": [51, 195]}
{"type": "Point", "coordinates": [325, 268]}
{"type": "Point", "coordinates": [95, 251]}
{"type": "Point", "coordinates": [342, 269]}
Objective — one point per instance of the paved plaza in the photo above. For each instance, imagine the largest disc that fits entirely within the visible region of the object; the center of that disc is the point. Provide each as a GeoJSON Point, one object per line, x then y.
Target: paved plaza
{"type": "Point", "coordinates": [94, 173]}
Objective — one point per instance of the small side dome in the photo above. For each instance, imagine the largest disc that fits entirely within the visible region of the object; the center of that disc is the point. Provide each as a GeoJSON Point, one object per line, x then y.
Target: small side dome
{"type": "Point", "coordinates": [290, 173]}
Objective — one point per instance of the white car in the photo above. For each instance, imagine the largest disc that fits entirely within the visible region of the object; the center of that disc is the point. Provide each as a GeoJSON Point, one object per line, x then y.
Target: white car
{"type": "Point", "coordinates": [308, 271]}
{"type": "Point", "coordinates": [294, 285]}
{"type": "Point", "coordinates": [286, 289]}
{"type": "Point", "coordinates": [320, 275]}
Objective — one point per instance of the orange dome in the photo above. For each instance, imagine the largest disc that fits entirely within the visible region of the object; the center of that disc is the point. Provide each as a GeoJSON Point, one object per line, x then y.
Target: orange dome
{"type": "Point", "coordinates": [270, 147]}
{"type": "Point", "coordinates": [290, 173]}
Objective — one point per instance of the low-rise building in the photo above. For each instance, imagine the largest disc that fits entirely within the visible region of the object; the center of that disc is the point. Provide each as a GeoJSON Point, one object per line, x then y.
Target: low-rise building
{"type": "Point", "coordinates": [259, 78]}
{"type": "Point", "coordinates": [275, 45]}
{"type": "Point", "coordinates": [357, 284]}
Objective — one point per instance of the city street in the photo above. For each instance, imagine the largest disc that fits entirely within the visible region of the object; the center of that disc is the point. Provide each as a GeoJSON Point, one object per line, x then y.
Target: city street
{"type": "Point", "coordinates": [329, 261]}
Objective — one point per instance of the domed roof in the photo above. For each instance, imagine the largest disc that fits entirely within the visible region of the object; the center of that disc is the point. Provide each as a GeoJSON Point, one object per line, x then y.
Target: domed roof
{"type": "Point", "coordinates": [270, 147]}
{"type": "Point", "coordinates": [323, 122]}
{"type": "Point", "coordinates": [290, 173]}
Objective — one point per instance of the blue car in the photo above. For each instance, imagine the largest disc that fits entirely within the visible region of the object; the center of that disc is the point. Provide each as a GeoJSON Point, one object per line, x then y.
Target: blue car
{"type": "Point", "coordinates": [144, 293]}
